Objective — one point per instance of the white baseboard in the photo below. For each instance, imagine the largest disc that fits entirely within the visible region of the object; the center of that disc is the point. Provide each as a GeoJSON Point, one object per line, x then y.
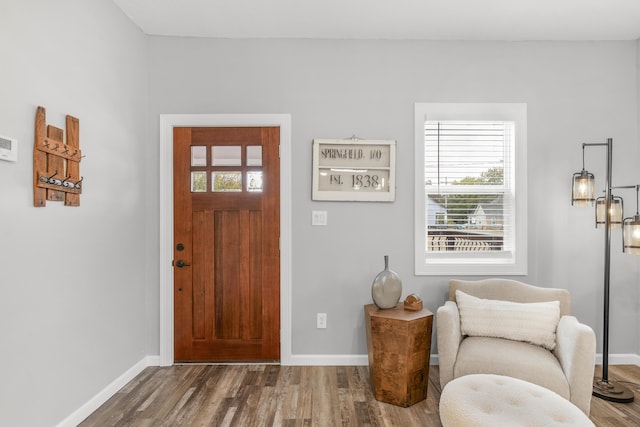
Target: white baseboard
{"type": "Point", "coordinates": [99, 399]}
{"type": "Point", "coordinates": [328, 360]}
{"type": "Point", "coordinates": [620, 359]}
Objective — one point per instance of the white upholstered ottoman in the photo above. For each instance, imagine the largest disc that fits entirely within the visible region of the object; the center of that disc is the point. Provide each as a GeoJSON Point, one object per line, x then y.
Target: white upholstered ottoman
{"type": "Point", "coordinates": [495, 400]}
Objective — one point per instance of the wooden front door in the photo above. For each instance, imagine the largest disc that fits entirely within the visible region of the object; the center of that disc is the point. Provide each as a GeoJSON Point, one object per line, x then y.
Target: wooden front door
{"type": "Point", "coordinates": [226, 244]}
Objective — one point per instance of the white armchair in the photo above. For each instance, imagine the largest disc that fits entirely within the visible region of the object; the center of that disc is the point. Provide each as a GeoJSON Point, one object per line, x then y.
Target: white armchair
{"type": "Point", "coordinates": [567, 370]}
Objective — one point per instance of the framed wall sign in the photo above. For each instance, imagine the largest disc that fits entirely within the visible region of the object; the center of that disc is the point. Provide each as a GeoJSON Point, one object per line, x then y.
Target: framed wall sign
{"type": "Point", "coordinates": [354, 170]}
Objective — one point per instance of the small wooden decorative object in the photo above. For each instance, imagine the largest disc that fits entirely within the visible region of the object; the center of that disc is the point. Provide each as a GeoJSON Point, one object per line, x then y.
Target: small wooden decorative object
{"type": "Point", "coordinates": [56, 163]}
{"type": "Point", "coordinates": [399, 347]}
{"type": "Point", "coordinates": [413, 303]}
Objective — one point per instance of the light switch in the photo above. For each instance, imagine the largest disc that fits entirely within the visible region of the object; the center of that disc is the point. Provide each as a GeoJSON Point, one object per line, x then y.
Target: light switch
{"type": "Point", "coordinates": [319, 218]}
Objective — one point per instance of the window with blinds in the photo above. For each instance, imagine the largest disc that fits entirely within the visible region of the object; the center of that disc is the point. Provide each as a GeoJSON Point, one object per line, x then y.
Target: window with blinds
{"type": "Point", "coordinates": [467, 177]}
{"type": "Point", "coordinates": [470, 189]}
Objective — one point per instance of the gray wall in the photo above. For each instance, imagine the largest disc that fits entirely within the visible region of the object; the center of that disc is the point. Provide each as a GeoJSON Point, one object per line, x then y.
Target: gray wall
{"type": "Point", "coordinates": [72, 279]}
{"type": "Point", "coordinates": [575, 91]}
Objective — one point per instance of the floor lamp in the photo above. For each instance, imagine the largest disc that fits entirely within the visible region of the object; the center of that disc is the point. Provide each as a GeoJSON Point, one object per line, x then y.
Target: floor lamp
{"type": "Point", "coordinates": [583, 194]}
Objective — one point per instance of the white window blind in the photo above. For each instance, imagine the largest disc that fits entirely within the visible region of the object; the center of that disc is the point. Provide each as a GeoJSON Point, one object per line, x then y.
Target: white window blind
{"type": "Point", "coordinates": [468, 170]}
{"type": "Point", "coordinates": [470, 193]}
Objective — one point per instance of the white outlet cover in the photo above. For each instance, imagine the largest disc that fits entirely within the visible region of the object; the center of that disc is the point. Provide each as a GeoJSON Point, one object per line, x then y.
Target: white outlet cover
{"type": "Point", "coordinates": [321, 320]}
{"type": "Point", "coordinates": [319, 218]}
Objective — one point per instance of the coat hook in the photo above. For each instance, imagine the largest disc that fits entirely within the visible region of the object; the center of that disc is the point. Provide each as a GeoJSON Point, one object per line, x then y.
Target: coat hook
{"type": "Point", "coordinates": [75, 153]}
{"type": "Point", "coordinates": [54, 174]}
{"type": "Point", "coordinates": [67, 183]}
{"type": "Point", "coordinates": [53, 180]}
{"type": "Point", "coordinates": [46, 143]}
{"type": "Point", "coordinates": [56, 147]}
{"type": "Point", "coordinates": [78, 185]}
{"type": "Point", "coordinates": [65, 151]}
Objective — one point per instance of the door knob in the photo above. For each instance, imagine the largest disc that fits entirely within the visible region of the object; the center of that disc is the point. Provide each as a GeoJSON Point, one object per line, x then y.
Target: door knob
{"type": "Point", "coordinates": [180, 263]}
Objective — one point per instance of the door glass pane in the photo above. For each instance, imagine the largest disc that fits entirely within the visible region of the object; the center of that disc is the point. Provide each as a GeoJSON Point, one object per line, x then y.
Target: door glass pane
{"type": "Point", "coordinates": [198, 181]}
{"type": "Point", "coordinates": [226, 181]}
{"type": "Point", "coordinates": [199, 156]}
{"type": "Point", "coordinates": [223, 155]}
{"type": "Point", "coordinates": [254, 181]}
{"type": "Point", "coordinates": [254, 155]}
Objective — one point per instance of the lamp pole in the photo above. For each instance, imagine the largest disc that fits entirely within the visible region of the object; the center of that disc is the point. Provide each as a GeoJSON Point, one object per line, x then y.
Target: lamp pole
{"type": "Point", "coordinates": [607, 265]}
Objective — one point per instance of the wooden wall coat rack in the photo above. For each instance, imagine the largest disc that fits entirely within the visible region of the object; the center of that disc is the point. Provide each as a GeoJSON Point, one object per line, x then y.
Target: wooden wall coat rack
{"type": "Point", "coordinates": [56, 163]}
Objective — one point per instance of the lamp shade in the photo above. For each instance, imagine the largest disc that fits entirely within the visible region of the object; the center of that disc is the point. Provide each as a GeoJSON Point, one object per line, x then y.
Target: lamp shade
{"type": "Point", "coordinates": [631, 235]}
{"type": "Point", "coordinates": [615, 212]}
{"type": "Point", "coordinates": [583, 189]}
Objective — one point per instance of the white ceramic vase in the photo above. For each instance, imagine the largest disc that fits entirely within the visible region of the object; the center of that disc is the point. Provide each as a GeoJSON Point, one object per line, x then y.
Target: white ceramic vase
{"type": "Point", "coordinates": [386, 288]}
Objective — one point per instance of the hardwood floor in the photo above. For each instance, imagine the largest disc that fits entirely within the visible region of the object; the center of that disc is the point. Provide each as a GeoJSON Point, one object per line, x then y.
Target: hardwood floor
{"type": "Point", "coordinates": [273, 395]}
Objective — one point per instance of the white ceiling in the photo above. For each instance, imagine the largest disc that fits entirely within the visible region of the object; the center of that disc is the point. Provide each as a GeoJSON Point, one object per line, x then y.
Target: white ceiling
{"type": "Point", "coordinates": [390, 19]}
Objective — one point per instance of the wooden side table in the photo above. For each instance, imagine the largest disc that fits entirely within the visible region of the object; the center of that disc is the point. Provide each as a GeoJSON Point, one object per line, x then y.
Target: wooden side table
{"type": "Point", "coordinates": [399, 347]}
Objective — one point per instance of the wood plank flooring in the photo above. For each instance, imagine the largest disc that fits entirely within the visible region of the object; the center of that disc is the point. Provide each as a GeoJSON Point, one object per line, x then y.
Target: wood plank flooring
{"type": "Point", "coordinates": [291, 396]}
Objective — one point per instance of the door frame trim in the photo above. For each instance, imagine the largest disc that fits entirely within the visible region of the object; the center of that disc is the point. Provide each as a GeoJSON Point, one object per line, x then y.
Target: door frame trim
{"type": "Point", "coordinates": [167, 123]}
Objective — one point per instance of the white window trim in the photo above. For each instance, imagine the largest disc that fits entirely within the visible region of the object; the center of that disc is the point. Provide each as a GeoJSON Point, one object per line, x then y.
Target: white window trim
{"type": "Point", "coordinates": [472, 264]}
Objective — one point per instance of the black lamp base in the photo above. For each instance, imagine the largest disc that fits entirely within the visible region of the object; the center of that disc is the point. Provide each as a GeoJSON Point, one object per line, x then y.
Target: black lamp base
{"type": "Point", "coordinates": [612, 391]}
